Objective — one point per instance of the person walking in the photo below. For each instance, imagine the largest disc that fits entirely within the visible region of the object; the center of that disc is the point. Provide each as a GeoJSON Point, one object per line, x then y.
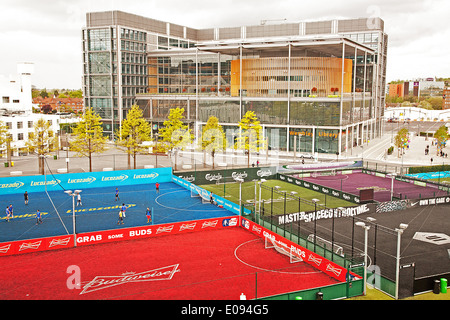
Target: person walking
{"type": "Point", "coordinates": [7, 213]}
{"type": "Point", "coordinates": [38, 217]}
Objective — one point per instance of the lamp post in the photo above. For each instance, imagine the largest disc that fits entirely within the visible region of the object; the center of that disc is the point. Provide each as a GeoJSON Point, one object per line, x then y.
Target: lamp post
{"type": "Point", "coordinates": [156, 147]}
{"type": "Point", "coordinates": [315, 221]}
{"type": "Point", "coordinates": [399, 230]}
{"type": "Point", "coordinates": [240, 180]}
{"type": "Point", "coordinates": [366, 235]}
{"type": "Point", "coordinates": [373, 221]}
{"type": "Point", "coordinates": [260, 185]}
{"type": "Point", "coordinates": [392, 184]}
{"type": "Point", "coordinates": [73, 195]}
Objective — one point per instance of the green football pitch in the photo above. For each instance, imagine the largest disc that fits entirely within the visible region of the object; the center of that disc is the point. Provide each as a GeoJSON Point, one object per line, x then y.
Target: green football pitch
{"type": "Point", "coordinates": [285, 196]}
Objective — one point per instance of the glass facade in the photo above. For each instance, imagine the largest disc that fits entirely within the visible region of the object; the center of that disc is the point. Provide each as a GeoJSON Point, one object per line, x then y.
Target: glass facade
{"type": "Point", "coordinates": [227, 111]}
{"type": "Point", "coordinates": [268, 112]}
{"type": "Point", "coordinates": [115, 71]}
{"type": "Point", "coordinates": [301, 140]}
{"type": "Point", "coordinates": [322, 97]}
{"type": "Point", "coordinates": [178, 74]}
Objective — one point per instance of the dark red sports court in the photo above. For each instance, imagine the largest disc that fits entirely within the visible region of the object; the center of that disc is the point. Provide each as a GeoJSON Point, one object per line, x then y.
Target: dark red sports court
{"type": "Point", "coordinates": [216, 264]}
{"type": "Point", "coordinates": [356, 181]}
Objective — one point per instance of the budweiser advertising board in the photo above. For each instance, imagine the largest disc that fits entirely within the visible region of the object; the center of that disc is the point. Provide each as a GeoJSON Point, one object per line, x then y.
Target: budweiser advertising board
{"type": "Point", "coordinates": [332, 269]}
{"type": "Point", "coordinates": [61, 242]}
{"type": "Point", "coordinates": [35, 245]}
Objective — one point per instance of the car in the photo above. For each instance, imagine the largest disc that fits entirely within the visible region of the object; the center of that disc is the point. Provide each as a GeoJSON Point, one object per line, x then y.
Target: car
{"type": "Point", "coordinates": [306, 156]}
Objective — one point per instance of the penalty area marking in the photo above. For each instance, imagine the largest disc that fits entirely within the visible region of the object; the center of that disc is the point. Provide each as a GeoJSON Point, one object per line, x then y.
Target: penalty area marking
{"type": "Point", "coordinates": [264, 269]}
{"type": "Point", "coordinates": [175, 208]}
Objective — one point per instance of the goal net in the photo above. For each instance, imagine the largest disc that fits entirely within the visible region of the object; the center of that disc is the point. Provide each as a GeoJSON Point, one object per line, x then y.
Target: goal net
{"type": "Point", "coordinates": [281, 248]}
{"type": "Point", "coordinates": [197, 192]}
{"type": "Point", "coordinates": [327, 245]}
{"type": "Point", "coordinates": [225, 180]}
{"type": "Point", "coordinates": [324, 173]}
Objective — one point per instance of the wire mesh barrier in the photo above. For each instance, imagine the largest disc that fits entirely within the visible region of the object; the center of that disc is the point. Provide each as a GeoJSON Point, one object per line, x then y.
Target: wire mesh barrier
{"type": "Point", "coordinates": [333, 234]}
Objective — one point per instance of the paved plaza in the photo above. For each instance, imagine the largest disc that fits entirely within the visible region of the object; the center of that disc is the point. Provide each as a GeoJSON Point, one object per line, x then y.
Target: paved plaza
{"type": "Point", "coordinates": [373, 151]}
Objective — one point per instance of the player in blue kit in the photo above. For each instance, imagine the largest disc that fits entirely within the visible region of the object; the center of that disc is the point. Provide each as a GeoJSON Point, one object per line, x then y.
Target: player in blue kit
{"type": "Point", "coordinates": [38, 217]}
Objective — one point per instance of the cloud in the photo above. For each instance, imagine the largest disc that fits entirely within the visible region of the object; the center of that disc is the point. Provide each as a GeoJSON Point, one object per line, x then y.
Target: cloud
{"type": "Point", "coordinates": [48, 32]}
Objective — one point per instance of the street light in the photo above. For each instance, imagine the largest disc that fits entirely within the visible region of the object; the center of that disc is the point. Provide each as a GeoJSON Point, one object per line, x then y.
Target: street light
{"type": "Point", "coordinates": [260, 185]}
{"type": "Point", "coordinates": [73, 195]}
{"type": "Point", "coordinates": [366, 233]}
{"type": "Point", "coordinates": [392, 184]}
{"type": "Point", "coordinates": [315, 221]}
{"type": "Point", "coordinates": [156, 147]}
{"type": "Point", "coordinates": [399, 230]}
{"type": "Point", "coordinates": [240, 180]}
{"type": "Point", "coordinates": [373, 221]}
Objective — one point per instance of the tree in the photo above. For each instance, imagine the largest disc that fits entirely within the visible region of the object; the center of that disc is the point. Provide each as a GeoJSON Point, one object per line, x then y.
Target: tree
{"type": "Point", "coordinates": [89, 136]}
{"type": "Point", "coordinates": [425, 105]}
{"type": "Point", "coordinates": [135, 129]}
{"type": "Point", "coordinates": [175, 134]}
{"type": "Point", "coordinates": [42, 141]}
{"type": "Point", "coordinates": [250, 137]}
{"type": "Point", "coordinates": [213, 138]}
{"type": "Point", "coordinates": [76, 94]}
{"type": "Point", "coordinates": [441, 135]}
{"type": "Point", "coordinates": [4, 136]}
{"type": "Point", "coordinates": [5, 139]}
{"type": "Point", "coordinates": [401, 140]}
{"type": "Point", "coordinates": [44, 93]}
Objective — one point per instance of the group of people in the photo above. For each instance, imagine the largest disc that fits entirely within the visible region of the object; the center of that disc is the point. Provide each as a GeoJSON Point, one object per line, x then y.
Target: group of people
{"type": "Point", "coordinates": [123, 208]}
{"type": "Point", "coordinates": [122, 212]}
{"type": "Point", "coordinates": [10, 211]}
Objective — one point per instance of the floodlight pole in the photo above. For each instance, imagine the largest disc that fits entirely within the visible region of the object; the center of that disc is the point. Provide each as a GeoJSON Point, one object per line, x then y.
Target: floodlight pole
{"type": "Point", "coordinates": [315, 222]}
{"type": "Point", "coordinates": [260, 187]}
{"type": "Point", "coordinates": [240, 197]}
{"type": "Point", "coordinates": [392, 186]}
{"type": "Point", "coordinates": [156, 153]}
{"type": "Point", "coordinates": [366, 236]}
{"type": "Point", "coordinates": [397, 267]}
{"type": "Point", "coordinates": [73, 195]}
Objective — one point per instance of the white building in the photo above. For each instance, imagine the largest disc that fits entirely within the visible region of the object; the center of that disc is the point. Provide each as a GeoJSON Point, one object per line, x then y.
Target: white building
{"type": "Point", "coordinates": [416, 114]}
{"type": "Point", "coordinates": [16, 109]}
{"type": "Point", "coordinates": [16, 91]}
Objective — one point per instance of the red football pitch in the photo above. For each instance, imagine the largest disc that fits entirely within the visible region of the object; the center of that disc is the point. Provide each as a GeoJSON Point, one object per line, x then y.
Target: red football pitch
{"type": "Point", "coordinates": [217, 264]}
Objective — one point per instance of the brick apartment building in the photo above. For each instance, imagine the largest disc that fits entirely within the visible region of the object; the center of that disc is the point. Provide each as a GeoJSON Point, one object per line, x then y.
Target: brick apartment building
{"type": "Point", "coordinates": [60, 104]}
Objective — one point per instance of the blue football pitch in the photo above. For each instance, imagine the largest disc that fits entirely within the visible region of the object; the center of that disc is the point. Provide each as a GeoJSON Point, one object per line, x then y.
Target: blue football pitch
{"type": "Point", "coordinates": [100, 210]}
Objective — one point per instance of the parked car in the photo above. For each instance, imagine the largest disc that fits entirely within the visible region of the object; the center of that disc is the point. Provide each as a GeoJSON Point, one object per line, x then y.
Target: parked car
{"type": "Point", "coordinates": [306, 156]}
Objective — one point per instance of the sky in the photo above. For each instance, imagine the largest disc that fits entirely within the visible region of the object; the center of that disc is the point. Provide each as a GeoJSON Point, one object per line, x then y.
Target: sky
{"type": "Point", "coordinates": [48, 32]}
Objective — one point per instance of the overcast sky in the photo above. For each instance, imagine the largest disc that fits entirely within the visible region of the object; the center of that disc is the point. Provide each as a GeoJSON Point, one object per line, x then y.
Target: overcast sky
{"type": "Point", "coordinates": [48, 32]}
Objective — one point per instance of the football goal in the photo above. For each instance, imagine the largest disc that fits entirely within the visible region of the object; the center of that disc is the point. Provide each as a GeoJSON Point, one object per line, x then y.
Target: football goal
{"type": "Point", "coordinates": [282, 248]}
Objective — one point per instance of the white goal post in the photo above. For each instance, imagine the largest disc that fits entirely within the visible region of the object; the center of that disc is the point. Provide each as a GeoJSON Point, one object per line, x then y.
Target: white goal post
{"type": "Point", "coordinates": [199, 192]}
{"type": "Point", "coordinates": [281, 248]}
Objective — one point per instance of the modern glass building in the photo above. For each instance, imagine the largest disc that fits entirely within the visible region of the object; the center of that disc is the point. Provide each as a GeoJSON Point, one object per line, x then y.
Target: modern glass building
{"type": "Point", "coordinates": [315, 86]}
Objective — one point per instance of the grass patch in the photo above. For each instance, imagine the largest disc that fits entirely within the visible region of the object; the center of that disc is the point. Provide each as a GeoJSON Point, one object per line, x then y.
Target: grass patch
{"type": "Point", "coordinates": [230, 191]}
